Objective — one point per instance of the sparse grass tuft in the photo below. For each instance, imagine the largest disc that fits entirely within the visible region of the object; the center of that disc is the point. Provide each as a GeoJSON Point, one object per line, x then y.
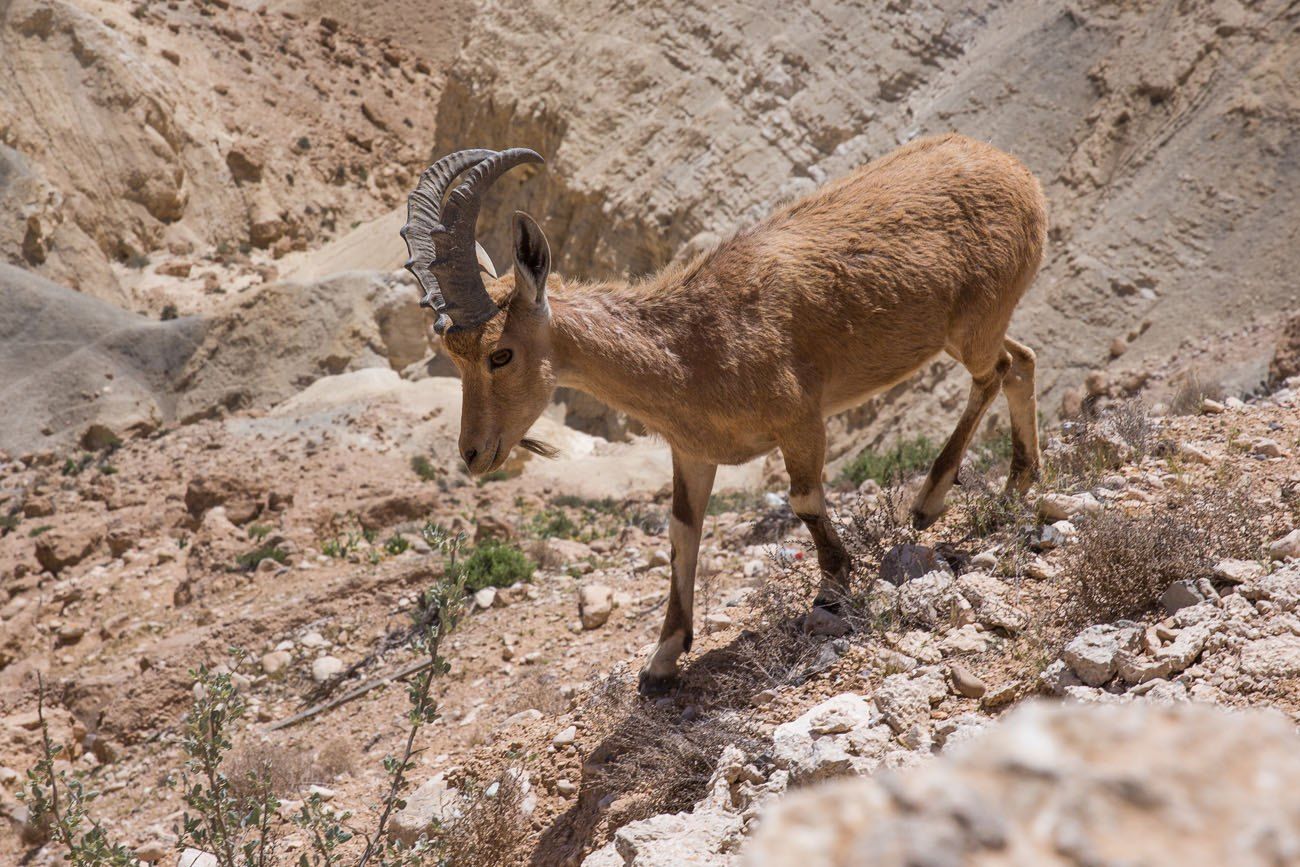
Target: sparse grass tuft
{"type": "Point", "coordinates": [734, 501]}
{"type": "Point", "coordinates": [986, 510]}
{"type": "Point", "coordinates": [75, 466]}
{"type": "Point", "coordinates": [553, 523]}
{"type": "Point", "coordinates": [424, 468]}
{"type": "Point", "coordinates": [396, 544]}
{"type": "Point", "coordinates": [1193, 388]}
{"type": "Point", "coordinates": [905, 458]}
{"type": "Point", "coordinates": [248, 561]}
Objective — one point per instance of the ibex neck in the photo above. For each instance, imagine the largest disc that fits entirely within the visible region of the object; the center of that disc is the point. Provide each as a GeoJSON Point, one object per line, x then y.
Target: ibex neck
{"type": "Point", "coordinates": [619, 343]}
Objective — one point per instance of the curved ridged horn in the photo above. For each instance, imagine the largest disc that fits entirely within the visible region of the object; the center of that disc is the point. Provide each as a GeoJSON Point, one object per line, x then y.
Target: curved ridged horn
{"type": "Point", "coordinates": [440, 237]}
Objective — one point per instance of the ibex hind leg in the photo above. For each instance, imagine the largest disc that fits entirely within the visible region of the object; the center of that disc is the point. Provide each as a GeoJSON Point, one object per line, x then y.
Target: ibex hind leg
{"type": "Point", "coordinates": [929, 502]}
{"type": "Point", "coordinates": [1022, 404]}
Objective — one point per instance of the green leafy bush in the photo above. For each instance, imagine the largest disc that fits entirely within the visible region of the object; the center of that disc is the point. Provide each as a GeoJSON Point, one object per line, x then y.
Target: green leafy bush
{"type": "Point", "coordinates": [905, 458]}
{"type": "Point", "coordinates": [492, 563]}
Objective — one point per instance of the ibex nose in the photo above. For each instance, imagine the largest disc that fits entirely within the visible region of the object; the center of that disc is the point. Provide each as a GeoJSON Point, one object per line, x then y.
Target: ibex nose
{"type": "Point", "coordinates": [470, 455]}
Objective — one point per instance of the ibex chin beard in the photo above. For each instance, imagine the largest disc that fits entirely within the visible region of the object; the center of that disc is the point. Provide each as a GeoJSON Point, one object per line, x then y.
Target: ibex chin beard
{"type": "Point", "coordinates": [537, 447]}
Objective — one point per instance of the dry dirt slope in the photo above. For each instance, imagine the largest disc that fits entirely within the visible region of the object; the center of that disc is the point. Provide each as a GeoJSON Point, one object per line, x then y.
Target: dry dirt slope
{"type": "Point", "coordinates": [1164, 134]}
{"type": "Point", "coordinates": [129, 132]}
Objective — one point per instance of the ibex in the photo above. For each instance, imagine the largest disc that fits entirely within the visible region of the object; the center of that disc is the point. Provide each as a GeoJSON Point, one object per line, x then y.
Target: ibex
{"type": "Point", "coordinates": [750, 346]}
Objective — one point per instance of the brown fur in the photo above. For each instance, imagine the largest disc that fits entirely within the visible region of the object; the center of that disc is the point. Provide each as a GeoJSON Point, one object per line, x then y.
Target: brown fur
{"type": "Point", "coordinates": [830, 300]}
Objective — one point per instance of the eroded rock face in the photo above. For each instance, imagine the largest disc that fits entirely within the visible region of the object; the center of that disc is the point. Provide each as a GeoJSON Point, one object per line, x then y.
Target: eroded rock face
{"type": "Point", "coordinates": [1204, 785]}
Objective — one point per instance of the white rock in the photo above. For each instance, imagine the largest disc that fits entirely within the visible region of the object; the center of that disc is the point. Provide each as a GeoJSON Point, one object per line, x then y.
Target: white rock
{"type": "Point", "coordinates": [1091, 654]}
{"type": "Point", "coordinates": [434, 801]}
{"type": "Point", "coordinates": [276, 663]}
{"type": "Point", "coordinates": [1274, 657]}
{"type": "Point", "coordinates": [196, 858]}
{"type": "Point", "coordinates": [1058, 677]}
{"type": "Point", "coordinates": [314, 640]}
{"type": "Point", "coordinates": [1056, 535]}
{"type": "Point", "coordinates": [1287, 546]}
{"type": "Point", "coordinates": [838, 736]}
{"type": "Point", "coordinates": [565, 737]}
{"type": "Point", "coordinates": [486, 597]}
{"type": "Point", "coordinates": [986, 595]}
{"type": "Point", "coordinates": [969, 639]}
{"type": "Point", "coordinates": [325, 667]}
{"type": "Point", "coordinates": [1040, 570]}
{"type": "Point", "coordinates": [905, 699]}
{"type": "Point", "coordinates": [1061, 507]}
{"type": "Point", "coordinates": [529, 715]}
{"type": "Point", "coordinates": [595, 604]}
{"type": "Point", "coordinates": [715, 621]}
{"type": "Point", "coordinates": [1237, 571]}
{"type": "Point", "coordinates": [1267, 448]}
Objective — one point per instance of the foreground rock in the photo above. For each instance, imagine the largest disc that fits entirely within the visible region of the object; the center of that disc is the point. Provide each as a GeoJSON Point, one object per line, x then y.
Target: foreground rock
{"type": "Point", "coordinates": [1064, 784]}
{"type": "Point", "coordinates": [433, 802]}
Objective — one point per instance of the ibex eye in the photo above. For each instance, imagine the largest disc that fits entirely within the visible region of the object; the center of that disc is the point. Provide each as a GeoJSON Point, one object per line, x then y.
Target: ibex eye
{"type": "Point", "coordinates": [500, 358]}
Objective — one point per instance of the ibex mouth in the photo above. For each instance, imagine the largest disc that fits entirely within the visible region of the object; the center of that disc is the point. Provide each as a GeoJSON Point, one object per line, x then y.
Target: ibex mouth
{"type": "Point", "coordinates": [537, 447]}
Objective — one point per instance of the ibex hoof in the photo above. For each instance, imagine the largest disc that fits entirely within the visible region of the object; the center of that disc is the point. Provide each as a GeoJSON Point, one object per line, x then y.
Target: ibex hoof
{"type": "Point", "coordinates": [654, 685]}
{"type": "Point", "coordinates": [922, 521]}
{"type": "Point", "coordinates": [829, 602]}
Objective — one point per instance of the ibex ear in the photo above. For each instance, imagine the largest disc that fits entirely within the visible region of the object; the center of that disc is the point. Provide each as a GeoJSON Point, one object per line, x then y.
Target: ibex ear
{"type": "Point", "coordinates": [532, 260]}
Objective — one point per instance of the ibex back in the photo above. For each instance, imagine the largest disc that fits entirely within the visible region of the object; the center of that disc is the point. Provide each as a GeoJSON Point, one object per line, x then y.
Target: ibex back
{"type": "Point", "coordinates": [831, 299]}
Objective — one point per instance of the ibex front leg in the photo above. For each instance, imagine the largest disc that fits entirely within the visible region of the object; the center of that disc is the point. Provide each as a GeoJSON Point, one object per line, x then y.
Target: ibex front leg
{"type": "Point", "coordinates": [692, 483]}
{"type": "Point", "coordinates": [804, 451]}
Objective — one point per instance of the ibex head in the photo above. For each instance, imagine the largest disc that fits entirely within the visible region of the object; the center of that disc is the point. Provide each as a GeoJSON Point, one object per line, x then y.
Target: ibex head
{"type": "Point", "coordinates": [499, 339]}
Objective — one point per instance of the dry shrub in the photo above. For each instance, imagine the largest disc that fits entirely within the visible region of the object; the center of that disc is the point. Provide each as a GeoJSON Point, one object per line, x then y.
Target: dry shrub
{"type": "Point", "coordinates": [491, 829]}
{"type": "Point", "coordinates": [1121, 564]}
{"type": "Point", "coordinates": [262, 766]}
{"type": "Point", "coordinates": [656, 752]}
{"type": "Point", "coordinates": [985, 510]}
{"type": "Point", "coordinates": [874, 525]}
{"type": "Point", "coordinates": [1090, 447]}
{"type": "Point", "coordinates": [538, 691]}
{"type": "Point", "coordinates": [1191, 389]}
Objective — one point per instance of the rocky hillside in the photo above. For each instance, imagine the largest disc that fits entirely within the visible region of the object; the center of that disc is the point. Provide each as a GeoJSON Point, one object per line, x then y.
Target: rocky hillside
{"type": "Point", "coordinates": [230, 495]}
{"type": "Point", "coordinates": [1159, 563]}
{"type": "Point", "coordinates": [134, 137]}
